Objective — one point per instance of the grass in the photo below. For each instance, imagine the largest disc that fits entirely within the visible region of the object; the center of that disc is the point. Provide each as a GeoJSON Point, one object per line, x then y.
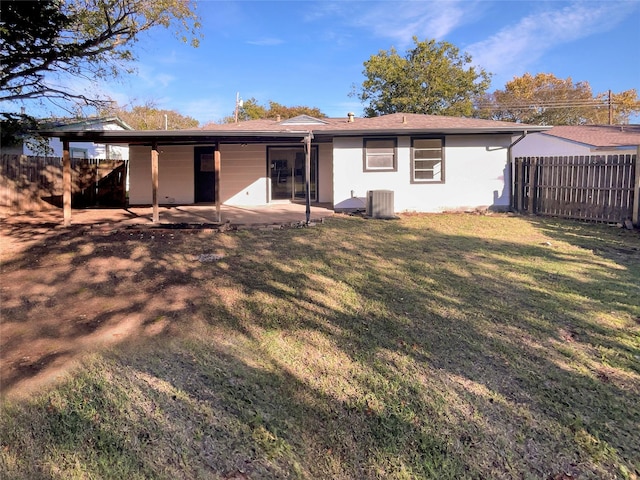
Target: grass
{"type": "Point", "coordinates": [434, 346]}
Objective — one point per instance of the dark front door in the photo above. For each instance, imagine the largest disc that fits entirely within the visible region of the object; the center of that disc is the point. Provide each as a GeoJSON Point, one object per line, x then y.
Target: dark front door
{"type": "Point", "coordinates": [204, 174]}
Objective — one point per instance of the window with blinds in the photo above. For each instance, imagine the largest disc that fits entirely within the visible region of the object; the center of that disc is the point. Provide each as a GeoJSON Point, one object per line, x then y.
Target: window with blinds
{"type": "Point", "coordinates": [380, 155]}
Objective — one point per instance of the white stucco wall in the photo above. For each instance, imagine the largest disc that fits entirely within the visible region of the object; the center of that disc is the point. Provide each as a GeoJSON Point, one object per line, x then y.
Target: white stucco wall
{"type": "Point", "coordinates": [175, 175]}
{"type": "Point", "coordinates": [476, 176]}
{"type": "Point", "coordinates": [539, 145]}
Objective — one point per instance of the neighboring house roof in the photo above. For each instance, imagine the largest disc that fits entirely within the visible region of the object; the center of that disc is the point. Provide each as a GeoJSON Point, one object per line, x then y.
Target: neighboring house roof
{"type": "Point", "coordinates": [85, 124]}
{"type": "Point", "coordinates": [599, 136]}
{"type": "Point", "coordinates": [298, 127]}
{"type": "Point", "coordinates": [303, 120]}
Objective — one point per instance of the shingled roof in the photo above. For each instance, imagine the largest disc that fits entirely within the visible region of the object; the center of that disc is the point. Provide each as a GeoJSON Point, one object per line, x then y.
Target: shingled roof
{"type": "Point", "coordinates": [598, 135]}
{"type": "Point", "coordinates": [322, 129]}
{"type": "Point", "coordinates": [392, 123]}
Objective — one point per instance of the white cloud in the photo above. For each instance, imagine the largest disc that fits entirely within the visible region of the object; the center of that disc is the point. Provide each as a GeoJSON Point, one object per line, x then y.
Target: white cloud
{"type": "Point", "coordinates": [204, 109]}
{"type": "Point", "coordinates": [153, 78]}
{"type": "Point", "coordinates": [340, 109]}
{"type": "Point", "coordinates": [266, 42]}
{"type": "Point", "coordinates": [400, 21]}
{"type": "Point", "coordinates": [515, 48]}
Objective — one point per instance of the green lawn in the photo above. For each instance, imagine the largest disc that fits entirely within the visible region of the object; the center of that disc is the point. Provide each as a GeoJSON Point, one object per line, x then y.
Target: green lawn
{"type": "Point", "coordinates": [433, 346]}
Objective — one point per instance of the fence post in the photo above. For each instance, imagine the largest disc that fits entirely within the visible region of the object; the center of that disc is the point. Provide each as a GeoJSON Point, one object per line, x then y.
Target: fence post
{"type": "Point", "coordinates": [533, 178]}
{"type": "Point", "coordinates": [517, 184]}
{"type": "Point", "coordinates": [635, 218]}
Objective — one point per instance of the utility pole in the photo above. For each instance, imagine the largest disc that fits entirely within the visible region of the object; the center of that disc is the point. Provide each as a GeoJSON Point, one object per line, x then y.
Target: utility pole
{"type": "Point", "coordinates": [610, 109]}
{"type": "Point", "coordinates": [238, 105]}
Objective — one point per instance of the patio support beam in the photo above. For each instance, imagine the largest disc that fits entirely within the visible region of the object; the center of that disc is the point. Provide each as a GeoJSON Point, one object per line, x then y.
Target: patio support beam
{"type": "Point", "coordinates": [216, 182]}
{"type": "Point", "coordinates": [154, 182]}
{"type": "Point", "coordinates": [66, 183]}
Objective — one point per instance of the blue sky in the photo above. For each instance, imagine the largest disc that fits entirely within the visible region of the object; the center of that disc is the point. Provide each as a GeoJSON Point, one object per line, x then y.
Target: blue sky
{"type": "Point", "coordinates": [312, 52]}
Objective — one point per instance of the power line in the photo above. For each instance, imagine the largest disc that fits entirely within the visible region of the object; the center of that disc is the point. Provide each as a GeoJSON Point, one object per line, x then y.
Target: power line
{"type": "Point", "coordinates": [591, 103]}
{"type": "Point", "coordinates": [538, 105]}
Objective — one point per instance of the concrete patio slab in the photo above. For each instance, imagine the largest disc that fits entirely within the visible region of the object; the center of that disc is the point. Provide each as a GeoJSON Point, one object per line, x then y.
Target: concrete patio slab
{"type": "Point", "coordinates": [277, 213]}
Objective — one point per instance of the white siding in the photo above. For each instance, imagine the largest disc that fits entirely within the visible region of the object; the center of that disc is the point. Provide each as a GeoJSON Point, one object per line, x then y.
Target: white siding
{"type": "Point", "coordinates": [244, 178]}
{"type": "Point", "coordinates": [243, 174]}
{"type": "Point", "coordinates": [476, 176]}
{"type": "Point", "coordinates": [175, 175]}
{"type": "Point", "coordinates": [325, 173]}
{"type": "Point", "coordinates": [89, 149]}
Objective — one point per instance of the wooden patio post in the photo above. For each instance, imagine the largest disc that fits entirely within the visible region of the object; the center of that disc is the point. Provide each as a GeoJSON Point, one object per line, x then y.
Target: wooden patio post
{"type": "Point", "coordinates": [66, 183]}
{"type": "Point", "coordinates": [635, 218]}
{"type": "Point", "coordinates": [216, 182]}
{"type": "Point", "coordinates": [154, 182]}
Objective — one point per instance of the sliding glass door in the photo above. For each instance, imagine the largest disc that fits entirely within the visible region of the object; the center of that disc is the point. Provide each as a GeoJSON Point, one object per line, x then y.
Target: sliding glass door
{"type": "Point", "coordinates": [287, 173]}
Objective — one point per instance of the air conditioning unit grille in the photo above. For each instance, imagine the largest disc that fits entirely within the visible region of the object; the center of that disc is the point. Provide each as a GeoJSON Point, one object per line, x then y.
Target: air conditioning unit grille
{"type": "Point", "coordinates": [380, 204]}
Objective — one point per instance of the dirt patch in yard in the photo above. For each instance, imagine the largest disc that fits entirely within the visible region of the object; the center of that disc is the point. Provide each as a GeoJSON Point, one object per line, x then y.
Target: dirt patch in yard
{"type": "Point", "coordinates": [69, 291]}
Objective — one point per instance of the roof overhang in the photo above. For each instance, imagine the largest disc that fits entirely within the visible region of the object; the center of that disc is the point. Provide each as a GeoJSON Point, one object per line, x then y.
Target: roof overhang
{"type": "Point", "coordinates": [196, 137]}
{"type": "Point", "coordinates": [175, 137]}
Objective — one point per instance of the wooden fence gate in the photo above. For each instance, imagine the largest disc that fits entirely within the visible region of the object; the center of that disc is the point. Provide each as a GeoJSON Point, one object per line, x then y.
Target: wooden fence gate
{"type": "Point", "coordinates": [601, 188]}
{"type": "Point", "coordinates": [35, 183]}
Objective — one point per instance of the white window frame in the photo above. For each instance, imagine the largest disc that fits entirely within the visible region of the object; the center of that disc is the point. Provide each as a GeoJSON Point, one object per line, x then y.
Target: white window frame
{"type": "Point", "coordinates": [79, 153]}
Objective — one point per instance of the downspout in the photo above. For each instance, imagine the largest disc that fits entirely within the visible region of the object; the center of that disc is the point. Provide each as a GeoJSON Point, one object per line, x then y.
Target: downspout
{"type": "Point", "coordinates": [307, 168]}
{"type": "Point", "coordinates": [512, 166]}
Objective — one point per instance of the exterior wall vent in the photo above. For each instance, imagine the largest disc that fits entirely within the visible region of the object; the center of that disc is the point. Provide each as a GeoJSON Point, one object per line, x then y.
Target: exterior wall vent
{"type": "Point", "coordinates": [380, 204]}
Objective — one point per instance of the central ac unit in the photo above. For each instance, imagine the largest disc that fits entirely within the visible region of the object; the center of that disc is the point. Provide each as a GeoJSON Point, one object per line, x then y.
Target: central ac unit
{"type": "Point", "coordinates": [380, 204]}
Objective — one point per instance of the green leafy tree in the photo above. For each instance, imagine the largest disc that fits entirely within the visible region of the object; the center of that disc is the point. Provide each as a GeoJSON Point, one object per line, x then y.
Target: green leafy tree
{"type": "Point", "coordinates": [431, 78]}
{"type": "Point", "coordinates": [44, 42]}
{"type": "Point", "coordinates": [284, 112]}
{"type": "Point", "coordinates": [149, 117]}
{"type": "Point", "coordinates": [544, 99]}
{"type": "Point", "coordinates": [252, 110]}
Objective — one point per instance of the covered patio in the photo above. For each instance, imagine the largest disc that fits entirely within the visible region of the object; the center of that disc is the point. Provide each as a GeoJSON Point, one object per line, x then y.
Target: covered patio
{"type": "Point", "coordinates": [275, 214]}
{"type": "Point", "coordinates": [213, 212]}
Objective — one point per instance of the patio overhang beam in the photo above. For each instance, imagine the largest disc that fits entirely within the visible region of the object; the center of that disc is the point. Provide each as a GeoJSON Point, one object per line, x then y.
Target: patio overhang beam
{"type": "Point", "coordinates": [175, 137]}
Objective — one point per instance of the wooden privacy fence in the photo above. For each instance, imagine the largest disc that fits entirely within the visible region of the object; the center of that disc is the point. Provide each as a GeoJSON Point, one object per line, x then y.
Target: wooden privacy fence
{"type": "Point", "coordinates": [35, 183]}
{"type": "Point", "coordinates": [601, 188]}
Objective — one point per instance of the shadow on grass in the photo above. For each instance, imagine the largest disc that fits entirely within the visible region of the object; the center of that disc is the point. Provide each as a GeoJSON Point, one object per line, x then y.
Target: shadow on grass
{"type": "Point", "coordinates": [360, 349]}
